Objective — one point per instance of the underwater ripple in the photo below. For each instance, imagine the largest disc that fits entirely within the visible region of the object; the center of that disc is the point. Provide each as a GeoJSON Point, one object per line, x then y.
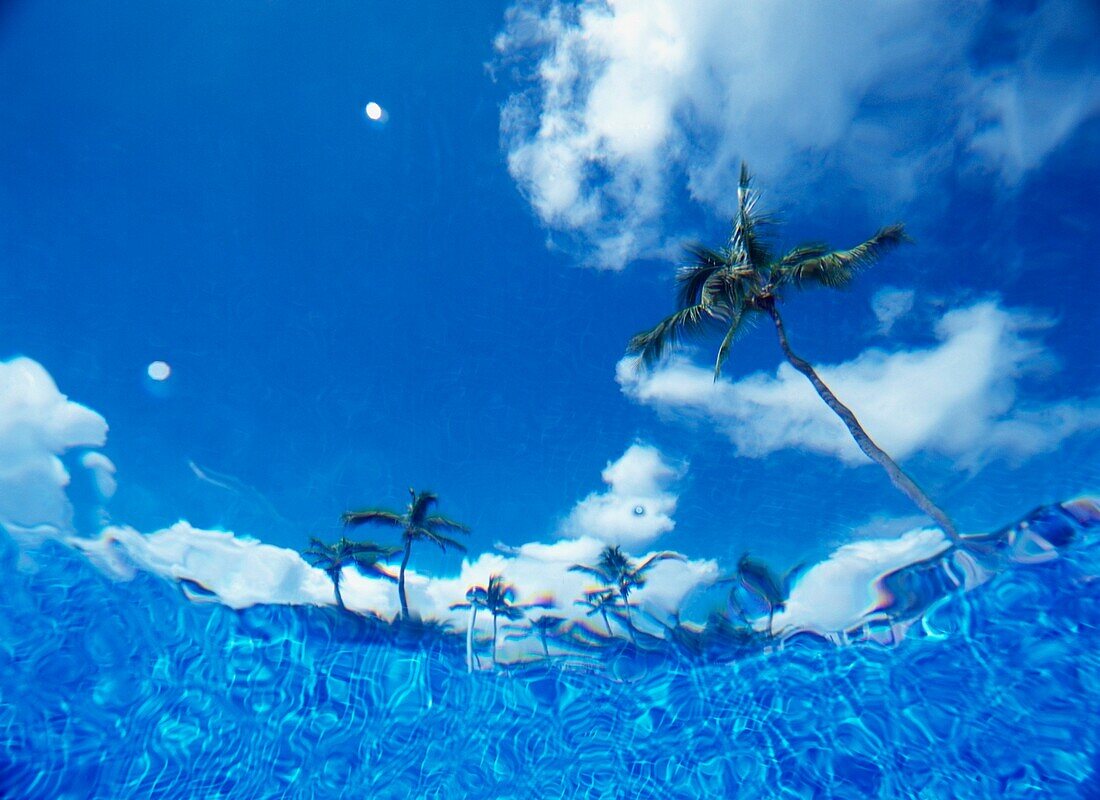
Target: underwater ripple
{"type": "Point", "coordinates": [112, 690]}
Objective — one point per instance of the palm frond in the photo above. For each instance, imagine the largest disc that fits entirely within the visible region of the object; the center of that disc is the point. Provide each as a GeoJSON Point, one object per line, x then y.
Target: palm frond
{"type": "Point", "coordinates": [319, 560]}
{"type": "Point", "coordinates": [747, 239]}
{"type": "Point", "coordinates": [381, 573]}
{"type": "Point", "coordinates": [614, 562]}
{"type": "Point", "coordinates": [815, 263]}
{"type": "Point", "coordinates": [692, 277]}
{"type": "Point", "coordinates": [651, 345]}
{"type": "Point", "coordinates": [443, 542]}
{"type": "Point", "coordinates": [367, 558]}
{"type": "Point", "coordinates": [728, 290]}
{"type": "Point", "coordinates": [667, 555]}
{"type": "Point", "coordinates": [727, 341]}
{"type": "Point", "coordinates": [371, 549]}
{"type": "Point", "coordinates": [439, 521]}
{"type": "Point", "coordinates": [421, 504]}
{"type": "Point", "coordinates": [320, 555]}
{"type": "Point", "coordinates": [593, 572]}
{"type": "Point", "coordinates": [759, 579]}
{"type": "Point", "coordinates": [378, 515]}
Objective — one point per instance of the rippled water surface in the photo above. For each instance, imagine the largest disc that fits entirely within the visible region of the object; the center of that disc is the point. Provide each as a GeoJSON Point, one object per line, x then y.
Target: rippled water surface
{"type": "Point", "coordinates": [128, 689]}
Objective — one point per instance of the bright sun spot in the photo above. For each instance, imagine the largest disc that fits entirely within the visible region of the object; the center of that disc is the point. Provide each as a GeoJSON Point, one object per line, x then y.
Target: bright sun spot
{"type": "Point", "coordinates": [374, 111]}
{"type": "Point", "coordinates": [159, 371]}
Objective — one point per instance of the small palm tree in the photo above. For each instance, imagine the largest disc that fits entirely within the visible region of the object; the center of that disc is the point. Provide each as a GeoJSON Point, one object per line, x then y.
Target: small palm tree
{"type": "Point", "coordinates": [722, 289]}
{"type": "Point", "coordinates": [417, 523]}
{"type": "Point", "coordinates": [499, 599]}
{"type": "Point", "coordinates": [600, 601]}
{"type": "Point", "coordinates": [332, 558]}
{"type": "Point", "coordinates": [617, 570]}
{"type": "Point", "coordinates": [773, 590]}
{"type": "Point", "coordinates": [543, 627]}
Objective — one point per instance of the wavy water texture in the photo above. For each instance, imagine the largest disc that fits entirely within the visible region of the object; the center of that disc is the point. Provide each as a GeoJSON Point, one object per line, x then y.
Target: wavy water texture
{"type": "Point", "coordinates": [126, 689]}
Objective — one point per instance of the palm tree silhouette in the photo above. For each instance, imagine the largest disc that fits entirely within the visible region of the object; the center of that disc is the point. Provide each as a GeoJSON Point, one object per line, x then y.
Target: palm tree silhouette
{"type": "Point", "coordinates": [543, 627]}
{"type": "Point", "coordinates": [756, 577]}
{"type": "Point", "coordinates": [499, 599]}
{"type": "Point", "coordinates": [416, 524]}
{"type": "Point", "coordinates": [600, 601]}
{"type": "Point", "coordinates": [722, 289]}
{"type": "Point", "coordinates": [332, 558]}
{"type": "Point", "coordinates": [617, 570]}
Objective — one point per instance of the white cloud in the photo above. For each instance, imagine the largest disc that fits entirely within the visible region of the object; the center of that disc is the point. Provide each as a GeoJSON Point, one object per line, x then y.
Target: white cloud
{"type": "Point", "coordinates": [103, 473]}
{"type": "Point", "coordinates": [37, 425]}
{"type": "Point", "coordinates": [240, 571]}
{"type": "Point", "coordinates": [891, 304]}
{"type": "Point", "coordinates": [957, 398]}
{"type": "Point", "coordinates": [632, 103]}
{"type": "Point", "coordinates": [838, 593]}
{"type": "Point", "coordinates": [637, 506]}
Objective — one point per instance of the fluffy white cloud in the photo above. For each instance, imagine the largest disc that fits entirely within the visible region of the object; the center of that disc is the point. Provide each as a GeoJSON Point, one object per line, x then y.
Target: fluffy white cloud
{"type": "Point", "coordinates": [37, 425]}
{"type": "Point", "coordinates": [957, 398]}
{"type": "Point", "coordinates": [637, 506]}
{"type": "Point", "coordinates": [632, 103]}
{"type": "Point", "coordinates": [838, 593]}
{"type": "Point", "coordinates": [240, 571]}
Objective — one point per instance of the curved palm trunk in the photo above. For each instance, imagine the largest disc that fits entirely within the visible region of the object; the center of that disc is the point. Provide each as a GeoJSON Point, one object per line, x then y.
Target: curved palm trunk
{"type": "Point", "coordinates": [869, 448]}
{"type": "Point", "coordinates": [470, 639]}
{"type": "Point", "coordinates": [545, 647]}
{"type": "Point", "coordinates": [606, 622]}
{"type": "Point", "coordinates": [401, 580]}
{"type": "Point", "coordinates": [494, 640]}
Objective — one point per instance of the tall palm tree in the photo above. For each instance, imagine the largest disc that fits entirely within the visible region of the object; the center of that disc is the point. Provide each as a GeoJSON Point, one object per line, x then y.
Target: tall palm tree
{"type": "Point", "coordinates": [417, 523]}
{"type": "Point", "coordinates": [332, 558]}
{"type": "Point", "coordinates": [600, 601]}
{"type": "Point", "coordinates": [617, 570]}
{"type": "Point", "coordinates": [722, 289]}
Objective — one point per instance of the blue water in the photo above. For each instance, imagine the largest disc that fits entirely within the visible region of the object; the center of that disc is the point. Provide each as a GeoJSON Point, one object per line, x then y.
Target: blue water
{"type": "Point", "coordinates": [127, 689]}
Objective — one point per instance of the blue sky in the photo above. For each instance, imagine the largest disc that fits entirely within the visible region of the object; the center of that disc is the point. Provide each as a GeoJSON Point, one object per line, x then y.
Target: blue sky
{"type": "Point", "coordinates": [441, 299]}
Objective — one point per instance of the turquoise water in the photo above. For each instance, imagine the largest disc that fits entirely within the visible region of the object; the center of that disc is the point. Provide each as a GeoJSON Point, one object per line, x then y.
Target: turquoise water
{"type": "Point", "coordinates": [128, 689]}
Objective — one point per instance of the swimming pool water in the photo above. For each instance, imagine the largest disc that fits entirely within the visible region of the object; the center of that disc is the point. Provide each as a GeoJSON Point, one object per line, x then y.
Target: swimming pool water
{"type": "Point", "coordinates": [127, 689]}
